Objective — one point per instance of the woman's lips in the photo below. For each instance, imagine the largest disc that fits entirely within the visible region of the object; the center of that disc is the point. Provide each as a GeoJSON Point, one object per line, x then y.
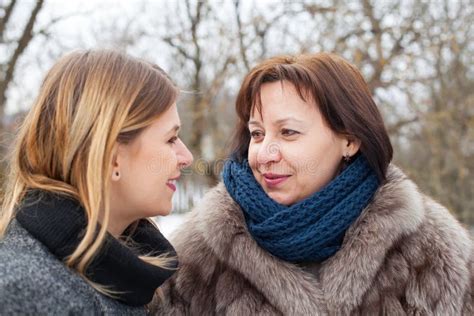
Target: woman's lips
{"type": "Point", "coordinates": [274, 180]}
{"type": "Point", "coordinates": [171, 185]}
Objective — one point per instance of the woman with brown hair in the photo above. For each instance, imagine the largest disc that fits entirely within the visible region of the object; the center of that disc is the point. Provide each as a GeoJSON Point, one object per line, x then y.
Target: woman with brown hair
{"type": "Point", "coordinates": [97, 155]}
{"type": "Point", "coordinates": [312, 218]}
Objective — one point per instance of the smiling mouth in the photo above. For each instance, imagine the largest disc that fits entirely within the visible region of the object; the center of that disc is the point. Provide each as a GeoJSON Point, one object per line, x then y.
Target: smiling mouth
{"type": "Point", "coordinates": [274, 180]}
{"type": "Point", "coordinates": [171, 184]}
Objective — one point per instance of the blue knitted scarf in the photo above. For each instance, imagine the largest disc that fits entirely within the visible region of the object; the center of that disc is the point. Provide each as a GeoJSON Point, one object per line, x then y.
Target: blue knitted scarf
{"type": "Point", "coordinates": [311, 230]}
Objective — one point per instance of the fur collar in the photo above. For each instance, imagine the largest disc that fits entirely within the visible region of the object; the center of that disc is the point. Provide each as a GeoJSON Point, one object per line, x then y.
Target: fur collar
{"type": "Point", "coordinates": [397, 211]}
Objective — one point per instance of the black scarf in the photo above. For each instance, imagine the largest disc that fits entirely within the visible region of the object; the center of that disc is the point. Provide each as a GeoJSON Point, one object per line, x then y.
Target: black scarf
{"type": "Point", "coordinates": [59, 223]}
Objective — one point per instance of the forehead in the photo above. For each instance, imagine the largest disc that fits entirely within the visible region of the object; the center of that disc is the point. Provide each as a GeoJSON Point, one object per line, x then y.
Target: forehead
{"type": "Point", "coordinates": [281, 99]}
{"type": "Point", "coordinates": [167, 119]}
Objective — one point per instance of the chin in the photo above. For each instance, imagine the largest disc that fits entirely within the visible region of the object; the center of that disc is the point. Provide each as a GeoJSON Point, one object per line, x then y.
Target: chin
{"type": "Point", "coordinates": [281, 198]}
{"type": "Point", "coordinates": [164, 212]}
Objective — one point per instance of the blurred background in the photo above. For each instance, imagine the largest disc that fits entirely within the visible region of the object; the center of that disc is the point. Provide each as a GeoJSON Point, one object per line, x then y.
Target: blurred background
{"type": "Point", "coordinates": [417, 57]}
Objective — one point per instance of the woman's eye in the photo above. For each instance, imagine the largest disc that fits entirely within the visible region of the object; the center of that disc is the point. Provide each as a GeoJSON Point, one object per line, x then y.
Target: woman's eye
{"type": "Point", "coordinates": [173, 140]}
{"type": "Point", "coordinates": [256, 134]}
{"type": "Point", "coordinates": [289, 132]}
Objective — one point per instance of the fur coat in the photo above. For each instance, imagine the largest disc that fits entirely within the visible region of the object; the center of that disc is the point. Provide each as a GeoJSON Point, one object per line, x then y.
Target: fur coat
{"type": "Point", "coordinates": [404, 255]}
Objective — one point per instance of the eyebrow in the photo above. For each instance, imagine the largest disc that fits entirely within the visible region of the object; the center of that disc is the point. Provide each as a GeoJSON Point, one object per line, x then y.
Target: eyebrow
{"type": "Point", "coordinates": [175, 129]}
{"type": "Point", "coordinates": [253, 123]}
{"type": "Point", "coordinates": [278, 122]}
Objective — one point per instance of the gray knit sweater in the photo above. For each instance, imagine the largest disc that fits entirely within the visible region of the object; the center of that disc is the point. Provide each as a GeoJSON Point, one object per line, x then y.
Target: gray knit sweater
{"type": "Point", "coordinates": [34, 282]}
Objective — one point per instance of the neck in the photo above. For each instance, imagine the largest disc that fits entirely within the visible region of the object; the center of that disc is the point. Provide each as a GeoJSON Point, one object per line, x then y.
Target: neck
{"type": "Point", "coordinates": [118, 219]}
{"type": "Point", "coordinates": [117, 223]}
{"type": "Point", "coordinates": [116, 229]}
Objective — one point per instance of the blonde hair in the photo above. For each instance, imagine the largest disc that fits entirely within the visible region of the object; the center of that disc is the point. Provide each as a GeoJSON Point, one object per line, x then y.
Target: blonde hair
{"type": "Point", "coordinates": [88, 101]}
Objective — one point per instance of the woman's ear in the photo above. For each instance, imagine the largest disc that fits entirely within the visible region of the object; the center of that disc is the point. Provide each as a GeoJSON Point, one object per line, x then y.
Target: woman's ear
{"type": "Point", "coordinates": [115, 163]}
{"type": "Point", "coordinates": [352, 146]}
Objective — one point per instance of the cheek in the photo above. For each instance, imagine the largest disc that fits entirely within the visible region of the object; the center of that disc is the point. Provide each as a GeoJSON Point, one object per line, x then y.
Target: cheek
{"type": "Point", "coordinates": [318, 167]}
{"type": "Point", "coordinates": [298, 156]}
{"type": "Point", "coordinates": [252, 155]}
{"type": "Point", "coordinates": [164, 161]}
{"type": "Point", "coordinates": [169, 160]}
{"type": "Point", "coordinates": [309, 158]}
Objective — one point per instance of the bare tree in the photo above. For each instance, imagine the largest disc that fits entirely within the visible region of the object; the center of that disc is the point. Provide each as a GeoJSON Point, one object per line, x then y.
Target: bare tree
{"type": "Point", "coordinates": [441, 151]}
{"type": "Point", "coordinates": [189, 45]}
{"type": "Point", "coordinates": [417, 57]}
{"type": "Point", "coordinates": [20, 44]}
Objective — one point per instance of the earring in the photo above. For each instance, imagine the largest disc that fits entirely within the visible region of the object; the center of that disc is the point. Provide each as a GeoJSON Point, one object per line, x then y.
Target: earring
{"type": "Point", "coordinates": [117, 173]}
{"type": "Point", "coordinates": [347, 157]}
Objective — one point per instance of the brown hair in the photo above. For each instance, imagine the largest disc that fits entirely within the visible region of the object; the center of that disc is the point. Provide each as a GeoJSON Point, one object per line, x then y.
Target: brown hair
{"type": "Point", "coordinates": [338, 89]}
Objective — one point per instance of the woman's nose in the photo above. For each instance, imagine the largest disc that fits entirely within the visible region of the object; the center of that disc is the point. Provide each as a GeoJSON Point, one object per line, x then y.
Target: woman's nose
{"type": "Point", "coordinates": [185, 157]}
{"type": "Point", "coordinates": [269, 152]}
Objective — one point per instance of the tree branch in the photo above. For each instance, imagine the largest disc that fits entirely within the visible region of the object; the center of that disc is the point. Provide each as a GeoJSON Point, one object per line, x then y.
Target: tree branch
{"type": "Point", "coordinates": [243, 49]}
{"type": "Point", "coordinates": [4, 19]}
{"type": "Point", "coordinates": [180, 49]}
{"type": "Point", "coordinates": [394, 128]}
{"type": "Point", "coordinates": [23, 42]}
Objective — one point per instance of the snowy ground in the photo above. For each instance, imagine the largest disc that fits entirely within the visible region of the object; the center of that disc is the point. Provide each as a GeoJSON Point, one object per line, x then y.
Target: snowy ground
{"type": "Point", "coordinates": [168, 224]}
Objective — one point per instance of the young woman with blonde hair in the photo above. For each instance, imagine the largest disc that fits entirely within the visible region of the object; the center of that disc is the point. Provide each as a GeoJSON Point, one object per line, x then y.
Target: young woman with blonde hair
{"type": "Point", "coordinates": [97, 155]}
